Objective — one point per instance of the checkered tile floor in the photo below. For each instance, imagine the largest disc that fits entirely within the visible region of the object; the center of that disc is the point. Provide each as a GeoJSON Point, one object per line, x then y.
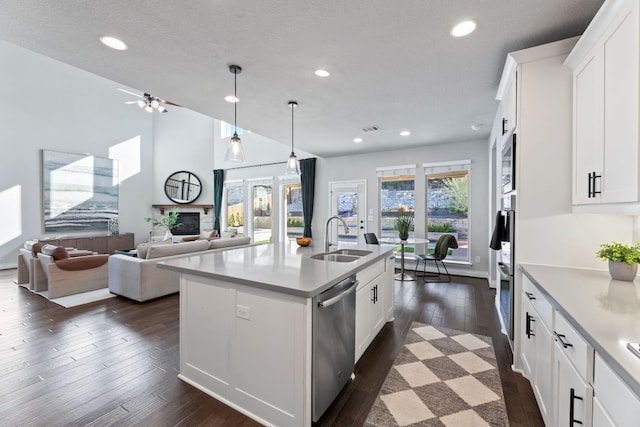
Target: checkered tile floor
{"type": "Point", "coordinates": [441, 377]}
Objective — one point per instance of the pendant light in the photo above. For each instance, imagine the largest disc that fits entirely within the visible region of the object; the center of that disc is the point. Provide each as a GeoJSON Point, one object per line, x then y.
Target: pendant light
{"type": "Point", "coordinates": [234, 149]}
{"type": "Point", "coordinates": [293, 165]}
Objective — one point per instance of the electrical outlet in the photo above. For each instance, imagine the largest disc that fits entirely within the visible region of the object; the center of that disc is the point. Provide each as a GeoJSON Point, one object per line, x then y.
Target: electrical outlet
{"type": "Point", "coordinates": [243, 312]}
{"type": "Point", "coordinates": [477, 259]}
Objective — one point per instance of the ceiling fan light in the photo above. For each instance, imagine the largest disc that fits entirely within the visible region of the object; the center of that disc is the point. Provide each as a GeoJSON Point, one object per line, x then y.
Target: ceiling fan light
{"type": "Point", "coordinates": [141, 103]}
{"type": "Point", "coordinates": [162, 109]}
{"type": "Point", "coordinates": [234, 150]}
{"type": "Point", "coordinates": [148, 109]}
{"type": "Point", "coordinates": [155, 103]}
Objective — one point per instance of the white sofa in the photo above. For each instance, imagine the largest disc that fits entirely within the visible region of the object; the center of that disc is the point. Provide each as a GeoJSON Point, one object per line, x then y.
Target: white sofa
{"type": "Point", "coordinates": [140, 279]}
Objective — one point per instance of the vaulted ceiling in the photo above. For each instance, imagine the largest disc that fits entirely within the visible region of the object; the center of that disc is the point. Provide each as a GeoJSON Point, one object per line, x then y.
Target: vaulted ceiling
{"type": "Point", "coordinates": [393, 63]}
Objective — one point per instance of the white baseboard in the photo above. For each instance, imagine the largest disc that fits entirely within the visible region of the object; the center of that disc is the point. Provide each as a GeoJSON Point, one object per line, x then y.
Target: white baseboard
{"type": "Point", "coordinates": [8, 266]}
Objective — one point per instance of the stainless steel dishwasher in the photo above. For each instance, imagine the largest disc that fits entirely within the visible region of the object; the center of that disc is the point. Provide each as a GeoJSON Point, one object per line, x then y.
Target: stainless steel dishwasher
{"type": "Point", "coordinates": [334, 341]}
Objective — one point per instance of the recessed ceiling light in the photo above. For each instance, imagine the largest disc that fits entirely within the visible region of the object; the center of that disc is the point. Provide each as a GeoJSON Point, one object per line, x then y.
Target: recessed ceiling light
{"type": "Point", "coordinates": [231, 98]}
{"type": "Point", "coordinates": [113, 43]}
{"type": "Point", "coordinates": [357, 140]}
{"type": "Point", "coordinates": [463, 29]}
{"type": "Point", "coordinates": [322, 73]}
{"type": "Point", "coordinates": [405, 133]}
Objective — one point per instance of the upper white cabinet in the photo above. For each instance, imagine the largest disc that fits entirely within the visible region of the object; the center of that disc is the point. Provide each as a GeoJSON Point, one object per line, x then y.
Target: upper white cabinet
{"type": "Point", "coordinates": [605, 107]}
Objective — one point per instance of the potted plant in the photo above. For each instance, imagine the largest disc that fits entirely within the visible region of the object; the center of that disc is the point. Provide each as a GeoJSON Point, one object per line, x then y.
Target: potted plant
{"type": "Point", "coordinates": [404, 223]}
{"type": "Point", "coordinates": [623, 259]}
{"type": "Point", "coordinates": [167, 221]}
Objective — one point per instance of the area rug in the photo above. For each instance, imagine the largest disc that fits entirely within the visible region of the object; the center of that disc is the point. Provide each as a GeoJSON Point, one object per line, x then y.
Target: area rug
{"type": "Point", "coordinates": [441, 377]}
{"type": "Point", "coordinates": [81, 298]}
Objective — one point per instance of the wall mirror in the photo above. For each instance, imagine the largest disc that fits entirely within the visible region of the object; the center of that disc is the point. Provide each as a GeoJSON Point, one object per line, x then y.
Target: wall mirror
{"type": "Point", "coordinates": [182, 187]}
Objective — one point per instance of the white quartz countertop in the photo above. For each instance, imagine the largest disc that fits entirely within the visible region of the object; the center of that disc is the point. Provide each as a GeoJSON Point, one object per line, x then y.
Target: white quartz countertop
{"type": "Point", "coordinates": [282, 267]}
{"type": "Point", "coordinates": [606, 312]}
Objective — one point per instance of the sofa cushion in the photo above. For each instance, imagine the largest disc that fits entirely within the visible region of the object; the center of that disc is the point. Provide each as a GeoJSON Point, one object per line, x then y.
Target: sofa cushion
{"type": "Point", "coordinates": [159, 251]}
{"type": "Point", "coordinates": [142, 248]}
{"type": "Point", "coordinates": [225, 243]}
{"type": "Point", "coordinates": [82, 262]}
{"type": "Point", "coordinates": [55, 252]}
{"type": "Point", "coordinates": [190, 238]}
{"type": "Point", "coordinates": [229, 233]}
{"type": "Point", "coordinates": [208, 234]}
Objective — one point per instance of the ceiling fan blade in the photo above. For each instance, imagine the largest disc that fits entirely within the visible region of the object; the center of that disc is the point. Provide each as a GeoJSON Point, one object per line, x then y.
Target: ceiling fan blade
{"type": "Point", "coordinates": [130, 93]}
{"type": "Point", "coordinates": [169, 103]}
{"type": "Point", "coordinates": [131, 102]}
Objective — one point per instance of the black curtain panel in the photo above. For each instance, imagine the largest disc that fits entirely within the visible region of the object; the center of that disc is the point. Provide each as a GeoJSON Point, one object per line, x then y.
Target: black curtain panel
{"type": "Point", "coordinates": [308, 181]}
{"type": "Point", "coordinates": [218, 185]}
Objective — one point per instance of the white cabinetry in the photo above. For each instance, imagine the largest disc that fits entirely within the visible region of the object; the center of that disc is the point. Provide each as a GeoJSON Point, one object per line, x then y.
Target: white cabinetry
{"type": "Point", "coordinates": [537, 347]}
{"type": "Point", "coordinates": [573, 362]}
{"type": "Point", "coordinates": [389, 272]}
{"type": "Point", "coordinates": [605, 107]}
{"type": "Point", "coordinates": [371, 308]}
{"type": "Point", "coordinates": [507, 95]}
{"type": "Point", "coordinates": [614, 403]}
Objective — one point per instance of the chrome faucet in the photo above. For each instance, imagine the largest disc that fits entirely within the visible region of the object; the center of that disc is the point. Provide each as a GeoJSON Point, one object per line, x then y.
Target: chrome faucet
{"type": "Point", "coordinates": [327, 243]}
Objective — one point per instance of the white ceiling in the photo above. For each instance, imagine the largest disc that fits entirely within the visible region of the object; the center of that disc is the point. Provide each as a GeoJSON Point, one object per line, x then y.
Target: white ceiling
{"type": "Point", "coordinates": [393, 63]}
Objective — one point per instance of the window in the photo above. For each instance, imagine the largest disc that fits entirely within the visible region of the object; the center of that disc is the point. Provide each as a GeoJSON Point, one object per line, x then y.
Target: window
{"type": "Point", "coordinates": [234, 192]}
{"type": "Point", "coordinates": [397, 194]}
{"type": "Point", "coordinates": [448, 205]}
{"type": "Point", "coordinates": [262, 195]}
{"type": "Point", "coordinates": [226, 130]}
{"type": "Point", "coordinates": [294, 220]}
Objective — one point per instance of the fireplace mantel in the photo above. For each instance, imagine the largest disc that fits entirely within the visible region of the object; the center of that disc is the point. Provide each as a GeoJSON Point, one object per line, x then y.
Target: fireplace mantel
{"type": "Point", "coordinates": [205, 208]}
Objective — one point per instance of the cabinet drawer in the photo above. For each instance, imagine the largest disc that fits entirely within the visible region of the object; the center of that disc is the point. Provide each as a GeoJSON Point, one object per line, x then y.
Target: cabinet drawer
{"type": "Point", "coordinates": [538, 301]}
{"type": "Point", "coordinates": [368, 274]}
{"type": "Point", "coordinates": [574, 347]}
{"type": "Point", "coordinates": [619, 403]}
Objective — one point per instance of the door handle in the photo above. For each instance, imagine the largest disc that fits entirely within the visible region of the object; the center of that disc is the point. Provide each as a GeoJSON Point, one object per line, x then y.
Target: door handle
{"type": "Point", "coordinates": [337, 298]}
{"type": "Point", "coordinates": [528, 326]}
{"type": "Point", "coordinates": [560, 337]}
{"type": "Point", "coordinates": [572, 399]}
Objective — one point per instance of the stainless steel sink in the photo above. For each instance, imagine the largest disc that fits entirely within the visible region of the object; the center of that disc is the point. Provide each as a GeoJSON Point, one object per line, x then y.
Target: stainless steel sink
{"type": "Point", "coordinates": [335, 257]}
{"type": "Point", "coordinates": [356, 252]}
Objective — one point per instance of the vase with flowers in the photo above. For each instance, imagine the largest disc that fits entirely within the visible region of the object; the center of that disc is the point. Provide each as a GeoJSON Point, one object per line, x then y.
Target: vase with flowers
{"type": "Point", "coordinates": [167, 221]}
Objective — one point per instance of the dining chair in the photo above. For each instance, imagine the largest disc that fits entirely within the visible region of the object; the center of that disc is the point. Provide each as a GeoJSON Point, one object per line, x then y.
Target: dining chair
{"type": "Point", "coordinates": [440, 252]}
{"type": "Point", "coordinates": [371, 239]}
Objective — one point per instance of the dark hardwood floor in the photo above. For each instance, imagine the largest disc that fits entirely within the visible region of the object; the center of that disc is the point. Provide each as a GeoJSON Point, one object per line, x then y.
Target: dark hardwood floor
{"type": "Point", "coordinates": [115, 362]}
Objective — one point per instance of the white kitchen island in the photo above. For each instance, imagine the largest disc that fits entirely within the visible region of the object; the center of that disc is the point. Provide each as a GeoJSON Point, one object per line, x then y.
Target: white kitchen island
{"type": "Point", "coordinates": [246, 323]}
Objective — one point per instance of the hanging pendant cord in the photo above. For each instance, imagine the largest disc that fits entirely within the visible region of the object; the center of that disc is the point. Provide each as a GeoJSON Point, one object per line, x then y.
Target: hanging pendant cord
{"type": "Point", "coordinates": [235, 104]}
{"type": "Point", "coordinates": [292, 108]}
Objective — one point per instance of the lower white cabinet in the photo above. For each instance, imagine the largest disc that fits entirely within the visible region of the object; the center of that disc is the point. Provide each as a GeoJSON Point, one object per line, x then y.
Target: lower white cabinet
{"type": "Point", "coordinates": [573, 395]}
{"type": "Point", "coordinates": [372, 305]}
{"type": "Point", "coordinates": [617, 404]}
{"type": "Point", "coordinates": [389, 273]}
{"type": "Point", "coordinates": [537, 356]}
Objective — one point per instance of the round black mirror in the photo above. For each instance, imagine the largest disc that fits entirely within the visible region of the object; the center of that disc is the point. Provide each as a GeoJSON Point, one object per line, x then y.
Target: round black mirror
{"type": "Point", "coordinates": [182, 187]}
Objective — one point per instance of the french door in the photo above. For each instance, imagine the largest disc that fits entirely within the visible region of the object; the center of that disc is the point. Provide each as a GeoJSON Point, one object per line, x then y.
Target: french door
{"type": "Point", "coordinates": [348, 201]}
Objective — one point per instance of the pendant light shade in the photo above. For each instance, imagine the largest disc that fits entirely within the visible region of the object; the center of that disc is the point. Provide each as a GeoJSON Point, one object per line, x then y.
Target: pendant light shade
{"type": "Point", "coordinates": [293, 165]}
{"type": "Point", "coordinates": [234, 149]}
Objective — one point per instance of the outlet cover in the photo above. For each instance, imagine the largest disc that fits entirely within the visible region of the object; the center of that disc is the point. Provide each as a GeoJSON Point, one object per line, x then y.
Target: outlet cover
{"type": "Point", "coordinates": [243, 312]}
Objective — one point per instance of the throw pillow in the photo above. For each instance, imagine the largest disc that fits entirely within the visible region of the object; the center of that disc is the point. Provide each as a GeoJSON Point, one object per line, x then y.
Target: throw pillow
{"type": "Point", "coordinates": [229, 233]}
{"type": "Point", "coordinates": [82, 262]}
{"type": "Point", "coordinates": [142, 248]}
{"type": "Point", "coordinates": [55, 252]}
{"type": "Point", "coordinates": [208, 234]}
{"type": "Point", "coordinates": [36, 248]}
{"type": "Point", "coordinates": [190, 238]}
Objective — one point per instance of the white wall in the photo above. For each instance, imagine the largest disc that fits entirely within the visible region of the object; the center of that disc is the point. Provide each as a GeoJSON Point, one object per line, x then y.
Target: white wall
{"type": "Point", "coordinates": [45, 104]}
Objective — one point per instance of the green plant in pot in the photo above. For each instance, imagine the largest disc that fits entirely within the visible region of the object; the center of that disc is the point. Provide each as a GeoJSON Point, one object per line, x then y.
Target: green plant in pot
{"type": "Point", "coordinates": [623, 259]}
{"type": "Point", "coordinates": [404, 224]}
{"type": "Point", "coordinates": [167, 221]}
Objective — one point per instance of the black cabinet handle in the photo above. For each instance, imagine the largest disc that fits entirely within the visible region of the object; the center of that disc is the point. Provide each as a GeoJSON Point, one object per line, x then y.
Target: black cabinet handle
{"type": "Point", "coordinates": [530, 295]}
{"type": "Point", "coordinates": [564, 343]}
{"type": "Point", "coordinates": [373, 295]}
{"type": "Point", "coordinates": [529, 332]}
{"type": "Point", "coordinates": [572, 398]}
{"type": "Point", "coordinates": [594, 184]}
{"type": "Point", "coordinates": [590, 195]}
{"type": "Point", "coordinates": [376, 293]}
{"type": "Point", "coordinates": [504, 125]}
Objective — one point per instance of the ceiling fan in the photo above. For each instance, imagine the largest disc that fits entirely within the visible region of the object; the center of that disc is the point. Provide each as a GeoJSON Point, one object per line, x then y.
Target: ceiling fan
{"type": "Point", "coordinates": [149, 102]}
